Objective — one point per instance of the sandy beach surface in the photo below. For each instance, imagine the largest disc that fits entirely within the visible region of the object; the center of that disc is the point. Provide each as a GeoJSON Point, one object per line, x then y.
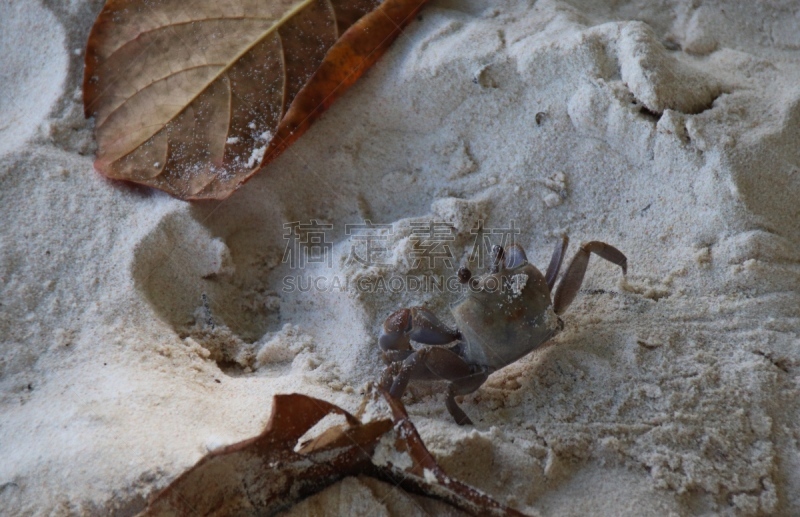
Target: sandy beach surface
{"type": "Point", "coordinates": [138, 332]}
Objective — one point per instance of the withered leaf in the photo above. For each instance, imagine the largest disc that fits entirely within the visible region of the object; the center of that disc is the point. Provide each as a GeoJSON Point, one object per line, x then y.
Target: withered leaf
{"type": "Point", "coordinates": [265, 474]}
{"type": "Point", "coordinates": [194, 98]}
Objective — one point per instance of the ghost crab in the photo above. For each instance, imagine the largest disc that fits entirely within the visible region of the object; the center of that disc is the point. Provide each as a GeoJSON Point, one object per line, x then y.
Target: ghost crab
{"type": "Point", "coordinates": [505, 314]}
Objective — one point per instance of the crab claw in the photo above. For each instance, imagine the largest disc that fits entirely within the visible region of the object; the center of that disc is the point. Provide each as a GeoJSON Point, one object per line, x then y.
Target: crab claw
{"type": "Point", "coordinates": [418, 324]}
{"type": "Point", "coordinates": [395, 331]}
{"type": "Point", "coordinates": [515, 256]}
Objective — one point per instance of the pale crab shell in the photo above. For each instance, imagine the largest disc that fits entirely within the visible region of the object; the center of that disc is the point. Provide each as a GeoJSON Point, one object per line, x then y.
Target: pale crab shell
{"type": "Point", "coordinates": [501, 325]}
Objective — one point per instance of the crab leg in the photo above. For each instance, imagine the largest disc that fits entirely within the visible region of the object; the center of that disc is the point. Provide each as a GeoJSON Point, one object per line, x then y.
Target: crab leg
{"type": "Point", "coordinates": [437, 364]}
{"type": "Point", "coordinates": [463, 386]}
{"type": "Point", "coordinates": [433, 363]}
{"type": "Point", "coordinates": [555, 262]}
{"type": "Point", "coordinates": [573, 278]}
{"type": "Point", "coordinates": [409, 369]}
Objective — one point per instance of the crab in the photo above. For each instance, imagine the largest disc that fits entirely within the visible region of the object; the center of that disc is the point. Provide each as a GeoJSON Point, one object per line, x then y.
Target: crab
{"type": "Point", "coordinates": [505, 314]}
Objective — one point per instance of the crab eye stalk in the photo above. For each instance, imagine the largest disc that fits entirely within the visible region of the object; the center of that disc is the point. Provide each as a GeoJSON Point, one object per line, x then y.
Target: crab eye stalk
{"type": "Point", "coordinates": [515, 256]}
{"type": "Point", "coordinates": [497, 258]}
{"type": "Point", "coordinates": [464, 274]}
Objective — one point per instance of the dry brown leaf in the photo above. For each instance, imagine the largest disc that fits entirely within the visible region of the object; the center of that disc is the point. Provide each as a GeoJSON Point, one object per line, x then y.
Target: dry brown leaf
{"type": "Point", "coordinates": [193, 98]}
{"type": "Point", "coordinates": [265, 474]}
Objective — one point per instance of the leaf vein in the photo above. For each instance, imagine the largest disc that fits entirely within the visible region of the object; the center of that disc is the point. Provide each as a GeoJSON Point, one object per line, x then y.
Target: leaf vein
{"type": "Point", "coordinates": [187, 22]}
{"type": "Point", "coordinates": [156, 81]}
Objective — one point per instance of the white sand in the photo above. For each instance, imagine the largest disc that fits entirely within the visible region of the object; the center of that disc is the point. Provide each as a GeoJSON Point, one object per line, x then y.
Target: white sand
{"type": "Point", "coordinates": [674, 137]}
